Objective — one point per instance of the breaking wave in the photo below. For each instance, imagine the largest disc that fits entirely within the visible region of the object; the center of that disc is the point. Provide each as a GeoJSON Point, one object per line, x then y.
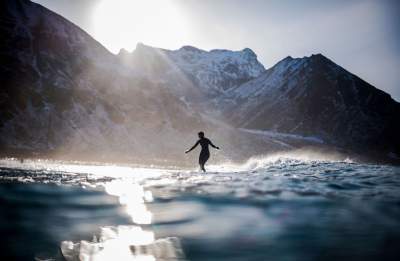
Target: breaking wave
{"type": "Point", "coordinates": [293, 157]}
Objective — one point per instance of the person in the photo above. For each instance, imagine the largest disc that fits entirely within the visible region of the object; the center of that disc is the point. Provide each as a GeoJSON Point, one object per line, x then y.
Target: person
{"type": "Point", "coordinates": [205, 153]}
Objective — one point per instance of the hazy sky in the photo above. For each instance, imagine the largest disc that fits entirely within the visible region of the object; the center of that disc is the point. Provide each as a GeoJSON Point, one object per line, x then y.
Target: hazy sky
{"type": "Point", "coordinates": [363, 36]}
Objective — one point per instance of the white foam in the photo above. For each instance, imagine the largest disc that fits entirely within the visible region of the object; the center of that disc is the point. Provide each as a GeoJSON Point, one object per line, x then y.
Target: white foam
{"type": "Point", "coordinates": [283, 158]}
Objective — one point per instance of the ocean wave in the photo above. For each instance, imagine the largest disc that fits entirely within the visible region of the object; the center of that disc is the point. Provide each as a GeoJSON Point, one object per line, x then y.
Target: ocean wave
{"type": "Point", "coordinates": [289, 158]}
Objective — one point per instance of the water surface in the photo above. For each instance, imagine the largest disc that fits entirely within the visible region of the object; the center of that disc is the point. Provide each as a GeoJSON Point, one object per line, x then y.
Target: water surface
{"type": "Point", "coordinates": [267, 209]}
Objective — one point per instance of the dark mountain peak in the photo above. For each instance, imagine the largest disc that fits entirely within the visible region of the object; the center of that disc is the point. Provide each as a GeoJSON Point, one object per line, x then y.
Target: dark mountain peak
{"type": "Point", "coordinates": [249, 52]}
{"type": "Point", "coordinates": [310, 64]}
{"type": "Point", "coordinates": [320, 61]}
{"type": "Point", "coordinates": [288, 58]}
{"type": "Point", "coordinates": [317, 55]}
{"type": "Point", "coordinates": [320, 58]}
{"type": "Point", "coordinates": [286, 64]}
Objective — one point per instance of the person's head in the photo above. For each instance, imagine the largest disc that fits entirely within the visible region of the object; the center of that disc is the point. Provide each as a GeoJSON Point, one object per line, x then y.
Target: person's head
{"type": "Point", "coordinates": [201, 134]}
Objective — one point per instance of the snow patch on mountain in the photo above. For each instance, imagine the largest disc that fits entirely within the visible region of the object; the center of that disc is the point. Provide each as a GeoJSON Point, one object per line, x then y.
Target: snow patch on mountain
{"type": "Point", "coordinates": [213, 72]}
{"type": "Point", "coordinates": [217, 70]}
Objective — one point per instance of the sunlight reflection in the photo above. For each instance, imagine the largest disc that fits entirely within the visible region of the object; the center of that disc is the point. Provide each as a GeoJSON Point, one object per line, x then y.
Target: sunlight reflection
{"type": "Point", "coordinates": [126, 242]}
{"type": "Point", "coordinates": [104, 170]}
{"type": "Point", "coordinates": [123, 243]}
{"type": "Point", "coordinates": [133, 197]}
{"type": "Point", "coordinates": [113, 244]}
{"type": "Point", "coordinates": [112, 171]}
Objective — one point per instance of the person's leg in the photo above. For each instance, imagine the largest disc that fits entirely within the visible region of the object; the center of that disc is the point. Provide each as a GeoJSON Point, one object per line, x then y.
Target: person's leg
{"type": "Point", "coordinates": [203, 159]}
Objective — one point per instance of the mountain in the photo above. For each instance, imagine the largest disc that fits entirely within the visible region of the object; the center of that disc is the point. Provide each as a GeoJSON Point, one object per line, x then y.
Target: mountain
{"type": "Point", "coordinates": [212, 71]}
{"type": "Point", "coordinates": [310, 99]}
{"type": "Point", "coordinates": [313, 96]}
{"type": "Point", "coordinates": [63, 94]}
{"type": "Point", "coordinates": [217, 70]}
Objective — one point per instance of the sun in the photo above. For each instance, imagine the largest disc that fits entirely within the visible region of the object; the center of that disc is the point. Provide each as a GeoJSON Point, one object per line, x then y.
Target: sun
{"type": "Point", "coordinates": [123, 23]}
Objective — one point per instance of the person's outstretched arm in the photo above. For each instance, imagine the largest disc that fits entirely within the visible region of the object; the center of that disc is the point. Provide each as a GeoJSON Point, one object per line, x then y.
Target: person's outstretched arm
{"type": "Point", "coordinates": [212, 145]}
{"type": "Point", "coordinates": [194, 146]}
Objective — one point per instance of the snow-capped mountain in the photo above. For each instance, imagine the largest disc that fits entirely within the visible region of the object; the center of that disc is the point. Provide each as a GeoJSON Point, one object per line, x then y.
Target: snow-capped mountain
{"type": "Point", "coordinates": [307, 97]}
{"type": "Point", "coordinates": [212, 72]}
{"type": "Point", "coordinates": [313, 96]}
{"type": "Point", "coordinates": [63, 92]}
{"type": "Point", "coordinates": [217, 70]}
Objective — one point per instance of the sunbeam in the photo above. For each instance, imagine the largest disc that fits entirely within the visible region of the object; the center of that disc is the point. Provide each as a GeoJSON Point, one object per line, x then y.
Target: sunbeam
{"type": "Point", "coordinates": [123, 23]}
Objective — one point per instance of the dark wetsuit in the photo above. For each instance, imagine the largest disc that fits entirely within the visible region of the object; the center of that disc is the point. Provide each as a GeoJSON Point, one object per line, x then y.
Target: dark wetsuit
{"type": "Point", "coordinates": [205, 153]}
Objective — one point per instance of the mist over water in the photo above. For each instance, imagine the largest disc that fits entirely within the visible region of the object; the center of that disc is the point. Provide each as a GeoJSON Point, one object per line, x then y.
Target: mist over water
{"type": "Point", "coordinates": [282, 207]}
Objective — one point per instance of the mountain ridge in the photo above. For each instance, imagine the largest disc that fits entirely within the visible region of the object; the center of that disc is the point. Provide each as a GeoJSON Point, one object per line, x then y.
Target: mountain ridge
{"type": "Point", "coordinates": [305, 95]}
{"type": "Point", "coordinates": [64, 91]}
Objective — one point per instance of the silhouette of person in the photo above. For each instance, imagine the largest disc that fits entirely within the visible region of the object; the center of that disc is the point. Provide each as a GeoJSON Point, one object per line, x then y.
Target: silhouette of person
{"type": "Point", "coordinates": [205, 153]}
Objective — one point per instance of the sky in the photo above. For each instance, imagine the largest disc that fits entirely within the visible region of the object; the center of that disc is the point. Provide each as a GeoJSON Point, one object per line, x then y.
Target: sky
{"type": "Point", "coordinates": [363, 36]}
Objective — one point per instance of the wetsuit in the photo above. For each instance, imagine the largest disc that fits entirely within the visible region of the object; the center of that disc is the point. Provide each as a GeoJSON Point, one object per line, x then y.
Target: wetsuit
{"type": "Point", "coordinates": [205, 153]}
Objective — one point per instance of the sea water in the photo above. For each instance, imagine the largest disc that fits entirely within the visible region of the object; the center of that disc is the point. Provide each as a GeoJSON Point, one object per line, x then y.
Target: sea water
{"type": "Point", "coordinates": [268, 209]}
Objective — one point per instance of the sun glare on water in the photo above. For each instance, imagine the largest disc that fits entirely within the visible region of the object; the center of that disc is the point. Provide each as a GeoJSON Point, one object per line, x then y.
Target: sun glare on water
{"type": "Point", "coordinates": [124, 23]}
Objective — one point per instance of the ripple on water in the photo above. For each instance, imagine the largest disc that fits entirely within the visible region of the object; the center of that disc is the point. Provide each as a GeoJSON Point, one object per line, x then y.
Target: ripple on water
{"type": "Point", "coordinates": [283, 211]}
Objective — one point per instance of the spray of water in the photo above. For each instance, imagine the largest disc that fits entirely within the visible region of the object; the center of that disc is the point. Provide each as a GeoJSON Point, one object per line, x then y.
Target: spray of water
{"type": "Point", "coordinates": [293, 157]}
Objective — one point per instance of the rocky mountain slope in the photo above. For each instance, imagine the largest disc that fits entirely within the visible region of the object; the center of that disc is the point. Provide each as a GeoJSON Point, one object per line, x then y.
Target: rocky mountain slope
{"type": "Point", "coordinates": [313, 96]}
{"type": "Point", "coordinates": [62, 90]}
{"type": "Point", "coordinates": [63, 93]}
{"type": "Point", "coordinates": [310, 97]}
